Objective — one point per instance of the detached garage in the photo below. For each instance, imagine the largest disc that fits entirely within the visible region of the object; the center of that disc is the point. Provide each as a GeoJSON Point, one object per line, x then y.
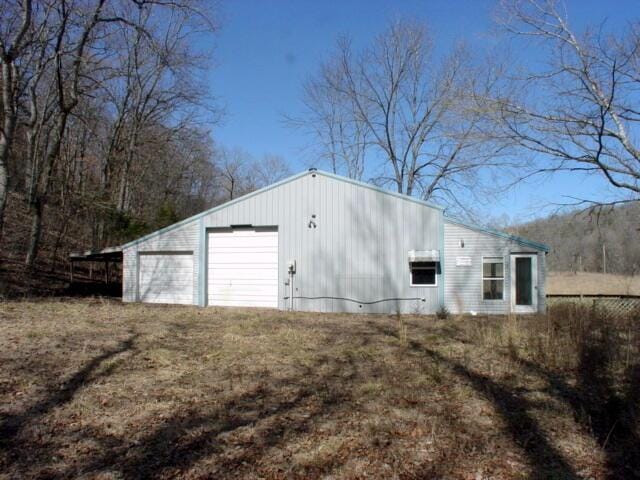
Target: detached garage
{"type": "Point", "coordinates": [321, 242]}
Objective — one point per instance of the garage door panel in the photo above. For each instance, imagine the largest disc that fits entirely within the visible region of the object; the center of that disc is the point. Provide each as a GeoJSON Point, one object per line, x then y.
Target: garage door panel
{"type": "Point", "coordinates": [230, 240]}
{"type": "Point", "coordinates": [241, 282]}
{"type": "Point", "coordinates": [243, 268]}
{"type": "Point", "coordinates": [166, 278]}
{"type": "Point", "coordinates": [249, 257]}
{"type": "Point", "coordinates": [244, 290]}
{"type": "Point", "coordinates": [242, 303]}
{"type": "Point", "coordinates": [172, 299]}
{"type": "Point", "coordinates": [230, 274]}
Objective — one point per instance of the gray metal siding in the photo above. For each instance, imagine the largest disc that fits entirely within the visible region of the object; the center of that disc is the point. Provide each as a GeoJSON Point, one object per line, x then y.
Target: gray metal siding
{"type": "Point", "coordinates": [357, 253]}
{"type": "Point", "coordinates": [463, 285]}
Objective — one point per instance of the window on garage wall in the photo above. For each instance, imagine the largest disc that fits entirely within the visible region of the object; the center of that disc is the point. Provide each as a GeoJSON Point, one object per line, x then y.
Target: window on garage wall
{"type": "Point", "coordinates": [424, 274]}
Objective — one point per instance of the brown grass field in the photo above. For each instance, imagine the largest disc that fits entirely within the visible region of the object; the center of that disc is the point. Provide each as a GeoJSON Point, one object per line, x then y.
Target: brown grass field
{"type": "Point", "coordinates": [99, 389]}
{"type": "Point", "coordinates": [592, 283]}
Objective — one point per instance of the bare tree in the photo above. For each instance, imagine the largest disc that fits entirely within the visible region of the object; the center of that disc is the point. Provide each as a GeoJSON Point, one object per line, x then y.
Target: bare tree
{"type": "Point", "coordinates": [234, 168]}
{"type": "Point", "coordinates": [409, 113]}
{"type": "Point", "coordinates": [72, 64]}
{"type": "Point", "coordinates": [270, 169]}
{"type": "Point", "coordinates": [238, 173]}
{"type": "Point", "coordinates": [14, 42]}
{"type": "Point", "coordinates": [338, 133]}
{"type": "Point", "coordinates": [578, 112]}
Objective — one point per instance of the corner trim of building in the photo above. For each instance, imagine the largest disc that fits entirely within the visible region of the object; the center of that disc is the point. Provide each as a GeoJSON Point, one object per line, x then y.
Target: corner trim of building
{"type": "Point", "coordinates": [202, 263]}
{"type": "Point", "coordinates": [441, 289]}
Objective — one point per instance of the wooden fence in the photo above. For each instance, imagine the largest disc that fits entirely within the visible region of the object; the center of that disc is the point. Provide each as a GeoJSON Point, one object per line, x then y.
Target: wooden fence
{"type": "Point", "coordinates": [615, 305]}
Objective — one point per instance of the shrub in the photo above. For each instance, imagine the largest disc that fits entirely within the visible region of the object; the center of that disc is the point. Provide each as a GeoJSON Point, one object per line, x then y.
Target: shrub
{"type": "Point", "coordinates": [442, 313]}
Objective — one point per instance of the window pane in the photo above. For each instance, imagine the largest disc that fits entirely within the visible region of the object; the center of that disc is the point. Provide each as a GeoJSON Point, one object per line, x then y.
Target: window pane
{"type": "Point", "coordinates": [492, 289]}
{"type": "Point", "coordinates": [493, 268]}
{"type": "Point", "coordinates": [524, 281]}
{"type": "Point", "coordinates": [423, 277]}
{"type": "Point", "coordinates": [423, 264]}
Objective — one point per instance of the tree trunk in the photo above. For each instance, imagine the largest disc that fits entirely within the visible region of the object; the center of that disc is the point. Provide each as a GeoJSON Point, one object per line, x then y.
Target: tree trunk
{"type": "Point", "coordinates": [6, 136]}
{"type": "Point", "coordinates": [4, 183]}
{"type": "Point", "coordinates": [124, 180]}
{"type": "Point", "coordinates": [61, 232]}
{"type": "Point", "coordinates": [35, 208]}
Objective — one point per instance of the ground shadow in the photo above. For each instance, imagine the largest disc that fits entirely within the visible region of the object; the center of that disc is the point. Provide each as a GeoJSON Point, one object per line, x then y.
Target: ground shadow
{"type": "Point", "coordinates": [545, 460]}
{"type": "Point", "coordinates": [279, 409]}
{"type": "Point", "coordinates": [611, 417]}
{"type": "Point", "coordinates": [13, 424]}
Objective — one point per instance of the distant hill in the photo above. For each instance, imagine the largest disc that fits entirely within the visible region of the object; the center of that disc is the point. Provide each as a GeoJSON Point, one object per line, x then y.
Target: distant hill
{"type": "Point", "coordinates": [576, 240]}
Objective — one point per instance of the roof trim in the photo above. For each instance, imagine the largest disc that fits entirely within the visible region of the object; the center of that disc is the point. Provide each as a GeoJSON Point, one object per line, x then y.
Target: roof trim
{"type": "Point", "coordinates": [181, 223]}
{"type": "Point", "coordinates": [497, 233]}
{"type": "Point", "coordinates": [108, 253]}
{"type": "Point", "coordinates": [272, 186]}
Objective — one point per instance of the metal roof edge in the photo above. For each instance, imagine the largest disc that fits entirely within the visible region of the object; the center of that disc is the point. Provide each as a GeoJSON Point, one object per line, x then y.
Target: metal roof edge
{"type": "Point", "coordinates": [195, 217]}
{"type": "Point", "coordinates": [360, 183]}
{"type": "Point", "coordinates": [84, 253]}
{"type": "Point", "coordinates": [334, 176]}
{"type": "Point", "coordinates": [497, 233]}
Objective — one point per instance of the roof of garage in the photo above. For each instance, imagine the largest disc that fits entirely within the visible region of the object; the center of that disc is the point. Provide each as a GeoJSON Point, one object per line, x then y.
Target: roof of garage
{"type": "Point", "coordinates": [110, 254]}
{"type": "Point", "coordinates": [277, 184]}
{"type": "Point", "coordinates": [313, 171]}
{"type": "Point", "coordinates": [490, 231]}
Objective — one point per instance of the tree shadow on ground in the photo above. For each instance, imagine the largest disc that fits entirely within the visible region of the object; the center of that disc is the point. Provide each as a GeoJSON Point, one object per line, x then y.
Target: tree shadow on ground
{"type": "Point", "coordinates": [13, 424]}
{"type": "Point", "coordinates": [276, 411]}
{"type": "Point", "coordinates": [612, 417]}
{"type": "Point", "coordinates": [545, 460]}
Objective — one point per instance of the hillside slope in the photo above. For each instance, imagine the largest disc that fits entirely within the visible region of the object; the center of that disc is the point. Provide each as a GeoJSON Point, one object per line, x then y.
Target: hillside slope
{"type": "Point", "coordinates": [576, 240]}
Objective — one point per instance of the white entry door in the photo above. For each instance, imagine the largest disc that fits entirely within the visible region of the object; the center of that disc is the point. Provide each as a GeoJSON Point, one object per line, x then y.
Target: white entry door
{"type": "Point", "coordinates": [524, 283]}
{"type": "Point", "coordinates": [166, 277]}
{"type": "Point", "coordinates": [243, 268]}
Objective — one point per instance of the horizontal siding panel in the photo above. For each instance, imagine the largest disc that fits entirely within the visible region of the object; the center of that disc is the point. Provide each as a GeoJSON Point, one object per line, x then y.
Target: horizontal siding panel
{"type": "Point", "coordinates": [463, 284]}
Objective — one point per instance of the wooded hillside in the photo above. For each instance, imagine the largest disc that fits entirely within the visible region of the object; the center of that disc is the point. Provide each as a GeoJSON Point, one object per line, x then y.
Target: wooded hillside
{"type": "Point", "coordinates": [106, 128]}
{"type": "Point", "coordinates": [577, 240]}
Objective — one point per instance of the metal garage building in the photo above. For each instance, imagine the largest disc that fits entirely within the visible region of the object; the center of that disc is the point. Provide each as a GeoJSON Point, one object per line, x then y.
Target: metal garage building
{"type": "Point", "coordinates": [321, 242]}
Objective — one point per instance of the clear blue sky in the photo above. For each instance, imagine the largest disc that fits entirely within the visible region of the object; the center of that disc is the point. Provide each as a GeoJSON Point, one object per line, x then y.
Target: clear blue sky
{"type": "Point", "coordinates": [265, 49]}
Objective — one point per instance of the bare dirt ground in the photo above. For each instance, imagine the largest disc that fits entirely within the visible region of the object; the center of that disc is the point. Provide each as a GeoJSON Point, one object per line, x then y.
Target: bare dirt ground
{"type": "Point", "coordinates": [591, 283]}
{"type": "Point", "coordinates": [98, 389]}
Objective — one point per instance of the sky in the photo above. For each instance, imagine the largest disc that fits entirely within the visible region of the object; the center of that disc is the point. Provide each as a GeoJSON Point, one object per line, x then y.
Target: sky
{"type": "Point", "coordinates": [265, 49]}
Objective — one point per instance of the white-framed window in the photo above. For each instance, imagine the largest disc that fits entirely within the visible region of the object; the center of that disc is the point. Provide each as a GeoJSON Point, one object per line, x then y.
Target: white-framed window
{"type": "Point", "coordinates": [424, 274]}
{"type": "Point", "coordinates": [492, 278]}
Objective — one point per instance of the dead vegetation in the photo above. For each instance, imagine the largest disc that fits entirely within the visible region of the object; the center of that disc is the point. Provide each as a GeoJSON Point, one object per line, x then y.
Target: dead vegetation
{"type": "Point", "coordinates": [97, 389]}
{"type": "Point", "coordinates": [592, 283]}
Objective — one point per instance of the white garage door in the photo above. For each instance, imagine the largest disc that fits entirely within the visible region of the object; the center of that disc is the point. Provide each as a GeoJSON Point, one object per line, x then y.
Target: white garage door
{"type": "Point", "coordinates": [166, 277]}
{"type": "Point", "coordinates": [243, 268]}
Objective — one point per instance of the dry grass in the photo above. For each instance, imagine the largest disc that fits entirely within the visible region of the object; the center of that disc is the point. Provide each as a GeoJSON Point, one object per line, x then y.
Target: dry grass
{"type": "Point", "coordinates": [592, 283]}
{"type": "Point", "coordinates": [96, 389]}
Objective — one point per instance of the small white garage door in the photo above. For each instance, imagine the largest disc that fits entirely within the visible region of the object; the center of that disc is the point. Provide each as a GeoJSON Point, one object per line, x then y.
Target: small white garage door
{"type": "Point", "coordinates": [243, 268]}
{"type": "Point", "coordinates": [166, 277]}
